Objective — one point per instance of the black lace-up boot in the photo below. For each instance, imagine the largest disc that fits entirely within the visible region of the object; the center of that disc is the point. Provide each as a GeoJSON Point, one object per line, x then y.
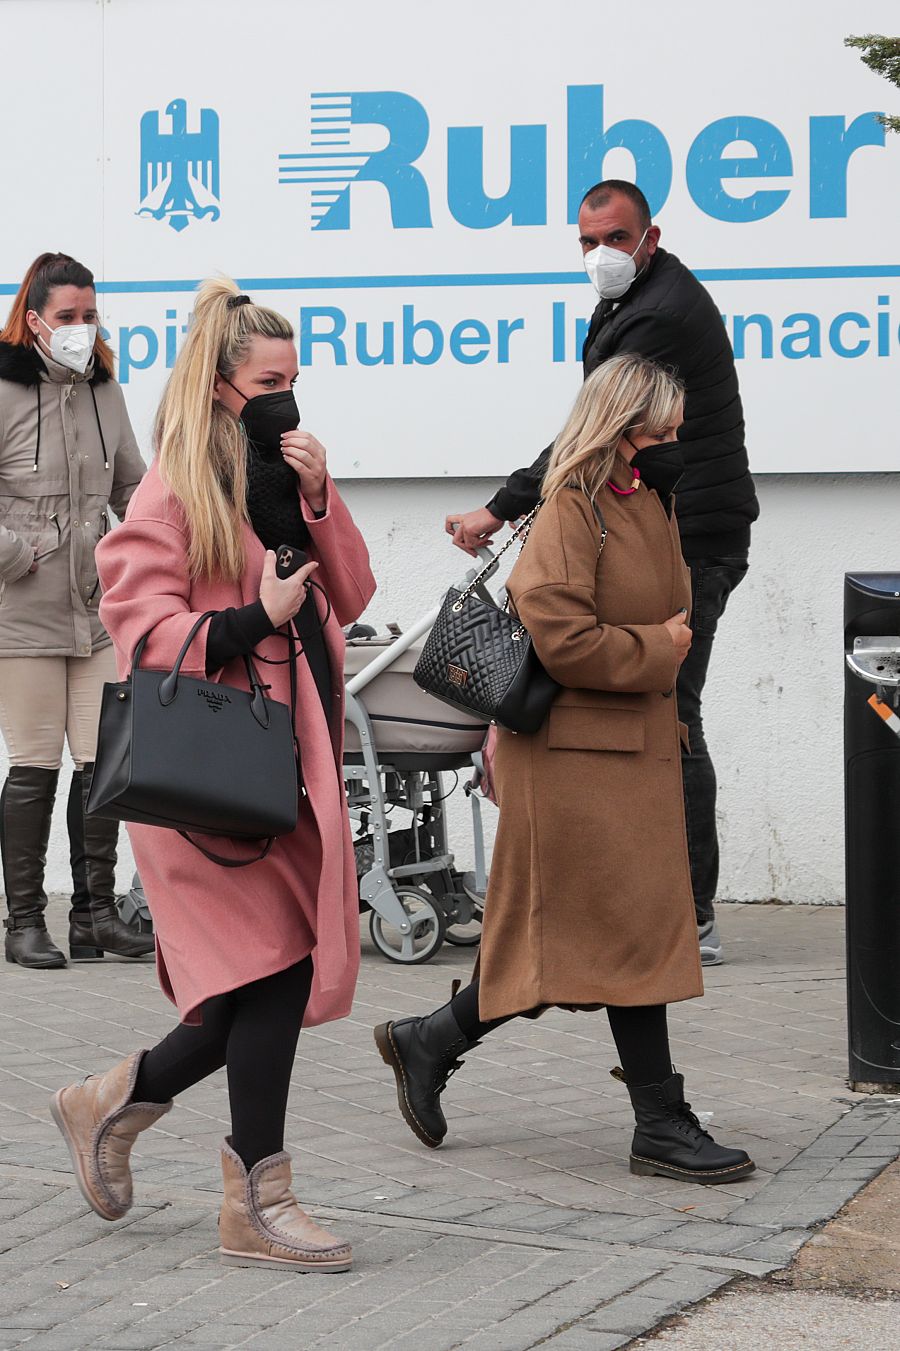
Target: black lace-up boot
{"type": "Point", "coordinates": [669, 1140]}
{"type": "Point", "coordinates": [423, 1053]}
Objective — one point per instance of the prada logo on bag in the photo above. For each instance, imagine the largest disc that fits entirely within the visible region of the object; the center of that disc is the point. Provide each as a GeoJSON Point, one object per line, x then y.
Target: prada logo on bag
{"type": "Point", "coordinates": [456, 675]}
{"type": "Point", "coordinates": [214, 698]}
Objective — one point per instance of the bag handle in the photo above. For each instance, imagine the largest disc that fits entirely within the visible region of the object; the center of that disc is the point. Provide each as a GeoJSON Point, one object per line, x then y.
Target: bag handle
{"type": "Point", "coordinates": [168, 689]}
{"type": "Point", "coordinates": [229, 862]}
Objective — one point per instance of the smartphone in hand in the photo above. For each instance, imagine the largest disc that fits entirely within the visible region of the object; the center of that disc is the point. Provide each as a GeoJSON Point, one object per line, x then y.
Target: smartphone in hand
{"type": "Point", "coordinates": [289, 560]}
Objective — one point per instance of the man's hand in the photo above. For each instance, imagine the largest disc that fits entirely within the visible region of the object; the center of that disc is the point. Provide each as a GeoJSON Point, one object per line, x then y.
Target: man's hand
{"type": "Point", "coordinates": [680, 634]}
{"type": "Point", "coordinates": [473, 530]}
{"type": "Point", "coordinates": [306, 456]}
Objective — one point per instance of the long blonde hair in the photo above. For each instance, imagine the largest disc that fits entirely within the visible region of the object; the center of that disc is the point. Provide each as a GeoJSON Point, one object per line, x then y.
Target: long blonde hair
{"type": "Point", "coordinates": [201, 446]}
{"type": "Point", "coordinates": [628, 393]}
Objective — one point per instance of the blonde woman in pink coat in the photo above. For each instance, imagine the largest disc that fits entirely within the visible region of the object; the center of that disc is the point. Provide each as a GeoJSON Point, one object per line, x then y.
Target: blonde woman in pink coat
{"type": "Point", "coordinates": [249, 954]}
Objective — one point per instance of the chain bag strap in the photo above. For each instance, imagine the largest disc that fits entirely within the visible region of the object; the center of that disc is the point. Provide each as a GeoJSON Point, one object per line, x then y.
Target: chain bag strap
{"type": "Point", "coordinates": [477, 583]}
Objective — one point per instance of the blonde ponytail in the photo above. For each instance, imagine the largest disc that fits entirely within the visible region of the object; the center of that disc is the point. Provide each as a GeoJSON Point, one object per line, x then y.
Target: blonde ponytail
{"type": "Point", "coordinates": [201, 446]}
{"type": "Point", "coordinates": [628, 393]}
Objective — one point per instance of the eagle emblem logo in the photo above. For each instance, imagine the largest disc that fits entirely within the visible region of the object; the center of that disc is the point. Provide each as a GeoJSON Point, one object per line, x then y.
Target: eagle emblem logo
{"type": "Point", "coordinates": [179, 168]}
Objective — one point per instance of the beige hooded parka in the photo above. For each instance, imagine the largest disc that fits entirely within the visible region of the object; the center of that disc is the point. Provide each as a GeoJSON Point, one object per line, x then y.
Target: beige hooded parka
{"type": "Point", "coordinates": [67, 452]}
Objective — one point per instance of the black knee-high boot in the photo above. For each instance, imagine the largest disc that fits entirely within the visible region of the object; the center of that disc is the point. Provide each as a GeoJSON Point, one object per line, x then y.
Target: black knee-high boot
{"type": "Point", "coordinates": [81, 897]}
{"type": "Point", "coordinates": [95, 925]}
{"type": "Point", "coordinates": [26, 809]}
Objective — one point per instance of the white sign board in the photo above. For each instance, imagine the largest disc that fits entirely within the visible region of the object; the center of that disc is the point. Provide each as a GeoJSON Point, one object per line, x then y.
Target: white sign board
{"type": "Point", "coordinates": [401, 180]}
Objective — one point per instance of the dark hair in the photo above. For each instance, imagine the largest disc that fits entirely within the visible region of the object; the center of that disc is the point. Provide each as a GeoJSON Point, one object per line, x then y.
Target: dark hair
{"type": "Point", "coordinates": [600, 194]}
{"type": "Point", "coordinates": [48, 271]}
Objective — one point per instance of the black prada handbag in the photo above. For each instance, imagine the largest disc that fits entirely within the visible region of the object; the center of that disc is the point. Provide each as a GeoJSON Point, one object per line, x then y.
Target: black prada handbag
{"type": "Point", "coordinates": [479, 657]}
{"type": "Point", "coordinates": [197, 755]}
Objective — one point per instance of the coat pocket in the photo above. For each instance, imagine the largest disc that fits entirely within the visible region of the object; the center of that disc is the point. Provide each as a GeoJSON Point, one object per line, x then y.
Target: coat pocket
{"type": "Point", "coordinates": [595, 729]}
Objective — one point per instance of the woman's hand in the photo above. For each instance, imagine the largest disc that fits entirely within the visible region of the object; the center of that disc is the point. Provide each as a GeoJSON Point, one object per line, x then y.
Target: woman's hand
{"type": "Point", "coordinates": [306, 456]}
{"type": "Point", "coordinates": [283, 597]}
{"type": "Point", "coordinates": [680, 634]}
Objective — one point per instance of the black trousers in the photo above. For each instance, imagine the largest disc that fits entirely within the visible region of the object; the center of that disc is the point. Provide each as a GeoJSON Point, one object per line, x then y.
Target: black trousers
{"type": "Point", "coordinates": [712, 582]}
{"type": "Point", "coordinates": [253, 1032]}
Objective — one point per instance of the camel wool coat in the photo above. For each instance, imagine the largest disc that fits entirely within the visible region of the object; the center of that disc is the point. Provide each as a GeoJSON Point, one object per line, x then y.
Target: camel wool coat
{"type": "Point", "coordinates": [219, 928]}
{"type": "Point", "coordinates": [589, 901]}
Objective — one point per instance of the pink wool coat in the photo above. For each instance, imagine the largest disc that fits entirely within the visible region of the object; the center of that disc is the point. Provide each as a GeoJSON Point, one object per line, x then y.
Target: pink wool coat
{"type": "Point", "coordinates": [220, 928]}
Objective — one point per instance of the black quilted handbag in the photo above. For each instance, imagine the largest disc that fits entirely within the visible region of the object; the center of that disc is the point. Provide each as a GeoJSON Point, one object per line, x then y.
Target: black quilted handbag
{"type": "Point", "coordinates": [480, 659]}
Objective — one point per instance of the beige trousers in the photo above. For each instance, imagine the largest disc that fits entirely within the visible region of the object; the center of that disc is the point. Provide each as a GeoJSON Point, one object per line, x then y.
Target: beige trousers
{"type": "Point", "coordinates": [46, 701]}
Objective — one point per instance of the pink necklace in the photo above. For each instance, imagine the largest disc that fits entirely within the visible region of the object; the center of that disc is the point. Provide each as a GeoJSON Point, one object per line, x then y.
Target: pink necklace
{"type": "Point", "coordinates": [626, 492]}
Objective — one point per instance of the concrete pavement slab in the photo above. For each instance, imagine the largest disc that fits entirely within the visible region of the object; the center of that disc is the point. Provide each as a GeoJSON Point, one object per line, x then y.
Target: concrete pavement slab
{"type": "Point", "coordinates": [526, 1228]}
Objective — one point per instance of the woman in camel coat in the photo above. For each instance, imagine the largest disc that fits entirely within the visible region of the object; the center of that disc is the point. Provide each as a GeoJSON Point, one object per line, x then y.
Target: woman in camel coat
{"type": "Point", "coordinates": [590, 900]}
{"type": "Point", "coordinates": [247, 954]}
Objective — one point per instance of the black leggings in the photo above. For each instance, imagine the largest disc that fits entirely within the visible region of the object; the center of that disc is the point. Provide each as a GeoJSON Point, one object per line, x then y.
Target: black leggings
{"type": "Point", "coordinates": [641, 1034]}
{"type": "Point", "coordinates": [253, 1031]}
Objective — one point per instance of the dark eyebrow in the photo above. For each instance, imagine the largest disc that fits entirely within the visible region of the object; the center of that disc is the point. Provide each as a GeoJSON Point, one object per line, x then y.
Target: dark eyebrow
{"type": "Point", "coordinates": [276, 373]}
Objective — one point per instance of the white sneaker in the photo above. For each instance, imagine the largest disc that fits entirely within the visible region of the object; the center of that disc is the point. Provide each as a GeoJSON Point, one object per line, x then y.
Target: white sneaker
{"type": "Point", "coordinates": [710, 944]}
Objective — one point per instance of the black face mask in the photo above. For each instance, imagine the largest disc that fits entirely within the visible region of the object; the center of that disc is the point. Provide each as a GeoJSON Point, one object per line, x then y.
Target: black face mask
{"type": "Point", "coordinates": [661, 465]}
{"type": "Point", "coordinates": [267, 416]}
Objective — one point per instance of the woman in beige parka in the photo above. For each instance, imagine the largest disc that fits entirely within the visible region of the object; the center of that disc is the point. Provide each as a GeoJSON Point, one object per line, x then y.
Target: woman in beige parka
{"type": "Point", "coordinates": [67, 453]}
{"type": "Point", "coordinates": [589, 903]}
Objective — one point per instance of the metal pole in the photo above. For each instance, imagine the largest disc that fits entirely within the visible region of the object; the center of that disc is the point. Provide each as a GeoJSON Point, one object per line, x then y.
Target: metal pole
{"type": "Point", "coordinates": [872, 828]}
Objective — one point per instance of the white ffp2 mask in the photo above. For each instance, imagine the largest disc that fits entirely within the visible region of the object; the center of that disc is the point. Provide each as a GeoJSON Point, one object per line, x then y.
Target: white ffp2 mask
{"type": "Point", "coordinates": [72, 345]}
{"type": "Point", "coordinates": [611, 270]}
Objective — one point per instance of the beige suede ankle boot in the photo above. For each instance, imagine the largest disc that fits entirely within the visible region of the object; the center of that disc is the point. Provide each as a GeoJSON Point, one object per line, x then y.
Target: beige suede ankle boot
{"type": "Point", "coordinates": [100, 1124]}
{"type": "Point", "coordinates": [261, 1224]}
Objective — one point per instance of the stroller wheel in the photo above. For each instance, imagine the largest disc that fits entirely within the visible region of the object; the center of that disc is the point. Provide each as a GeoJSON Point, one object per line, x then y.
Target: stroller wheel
{"type": "Point", "coordinates": [426, 932]}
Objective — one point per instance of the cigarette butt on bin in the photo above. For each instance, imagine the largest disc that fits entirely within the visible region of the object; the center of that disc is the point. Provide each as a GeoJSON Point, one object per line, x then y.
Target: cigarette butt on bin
{"type": "Point", "coordinates": [881, 708]}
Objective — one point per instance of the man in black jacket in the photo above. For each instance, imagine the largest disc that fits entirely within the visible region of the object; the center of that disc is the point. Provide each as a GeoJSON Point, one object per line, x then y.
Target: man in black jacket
{"type": "Point", "coordinates": [652, 304]}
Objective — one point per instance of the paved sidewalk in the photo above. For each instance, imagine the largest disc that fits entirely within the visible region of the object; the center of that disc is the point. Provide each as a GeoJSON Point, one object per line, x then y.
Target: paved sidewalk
{"type": "Point", "coordinates": [525, 1229]}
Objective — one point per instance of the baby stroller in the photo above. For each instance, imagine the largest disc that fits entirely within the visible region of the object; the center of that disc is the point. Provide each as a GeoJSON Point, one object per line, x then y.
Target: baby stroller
{"type": "Point", "coordinates": [401, 747]}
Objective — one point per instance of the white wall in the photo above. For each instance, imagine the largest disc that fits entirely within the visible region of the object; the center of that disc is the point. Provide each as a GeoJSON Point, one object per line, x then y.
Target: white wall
{"type": "Point", "coordinates": [776, 684]}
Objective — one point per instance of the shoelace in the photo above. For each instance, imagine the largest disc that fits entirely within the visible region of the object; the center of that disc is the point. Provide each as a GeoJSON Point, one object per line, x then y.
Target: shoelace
{"type": "Point", "coordinates": [441, 1079]}
{"type": "Point", "coordinates": [688, 1123]}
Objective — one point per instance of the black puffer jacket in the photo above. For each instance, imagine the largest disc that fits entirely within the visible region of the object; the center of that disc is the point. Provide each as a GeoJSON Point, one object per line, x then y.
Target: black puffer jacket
{"type": "Point", "coordinates": [667, 315]}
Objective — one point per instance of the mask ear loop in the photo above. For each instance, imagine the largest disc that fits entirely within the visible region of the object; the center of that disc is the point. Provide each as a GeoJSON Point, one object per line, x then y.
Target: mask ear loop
{"type": "Point", "coordinates": [647, 264]}
{"type": "Point", "coordinates": [235, 388]}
